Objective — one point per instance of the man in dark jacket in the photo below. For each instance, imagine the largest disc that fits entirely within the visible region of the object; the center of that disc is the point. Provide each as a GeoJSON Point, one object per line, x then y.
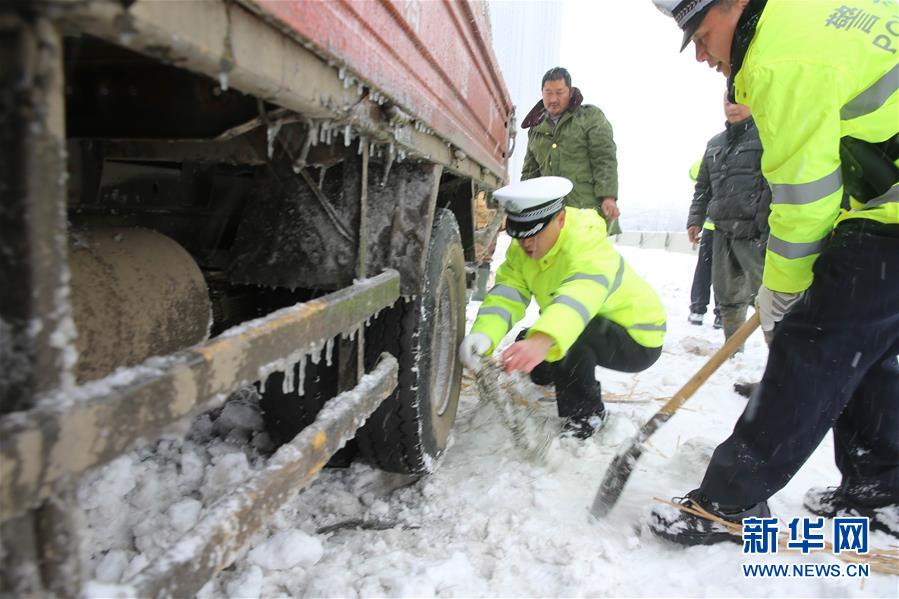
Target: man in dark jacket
{"type": "Point", "coordinates": [701, 289]}
{"type": "Point", "coordinates": [731, 191]}
{"type": "Point", "coordinates": [567, 138]}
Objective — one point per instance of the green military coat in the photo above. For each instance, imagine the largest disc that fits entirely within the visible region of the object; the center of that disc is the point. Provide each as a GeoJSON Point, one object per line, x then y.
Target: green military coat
{"type": "Point", "coordinates": [580, 148]}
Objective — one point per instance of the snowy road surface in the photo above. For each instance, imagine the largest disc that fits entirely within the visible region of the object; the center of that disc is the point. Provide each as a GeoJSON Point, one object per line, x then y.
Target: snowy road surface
{"type": "Point", "coordinates": [492, 521]}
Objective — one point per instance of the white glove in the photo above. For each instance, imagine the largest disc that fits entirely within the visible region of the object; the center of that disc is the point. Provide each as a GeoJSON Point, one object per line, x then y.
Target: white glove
{"type": "Point", "coordinates": [474, 345]}
{"type": "Point", "coordinates": [773, 305]}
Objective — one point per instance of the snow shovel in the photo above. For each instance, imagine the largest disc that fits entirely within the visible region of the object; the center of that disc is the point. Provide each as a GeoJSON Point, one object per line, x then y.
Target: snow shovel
{"type": "Point", "coordinates": [625, 460]}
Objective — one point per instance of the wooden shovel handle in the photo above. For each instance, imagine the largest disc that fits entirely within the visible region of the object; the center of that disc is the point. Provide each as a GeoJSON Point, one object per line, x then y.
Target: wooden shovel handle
{"type": "Point", "coordinates": [697, 380]}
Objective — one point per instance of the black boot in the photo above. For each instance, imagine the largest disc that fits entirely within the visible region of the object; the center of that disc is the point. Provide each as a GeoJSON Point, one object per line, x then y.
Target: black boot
{"type": "Point", "coordinates": [717, 324]}
{"type": "Point", "coordinates": [833, 501]}
{"type": "Point", "coordinates": [583, 427]}
{"type": "Point", "coordinates": [578, 393]}
{"type": "Point", "coordinates": [823, 501]}
{"type": "Point", "coordinates": [745, 389]}
{"type": "Point", "coordinates": [680, 527]}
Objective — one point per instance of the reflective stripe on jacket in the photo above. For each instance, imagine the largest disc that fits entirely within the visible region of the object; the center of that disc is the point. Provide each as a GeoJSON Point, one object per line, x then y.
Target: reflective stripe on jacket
{"type": "Point", "coordinates": [694, 170]}
{"type": "Point", "coordinates": [582, 276]}
{"type": "Point", "coordinates": [817, 71]}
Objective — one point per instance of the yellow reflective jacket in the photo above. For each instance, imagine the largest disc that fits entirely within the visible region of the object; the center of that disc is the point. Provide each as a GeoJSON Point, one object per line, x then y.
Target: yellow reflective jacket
{"type": "Point", "coordinates": [815, 72]}
{"type": "Point", "coordinates": [694, 169]}
{"type": "Point", "coordinates": [581, 276]}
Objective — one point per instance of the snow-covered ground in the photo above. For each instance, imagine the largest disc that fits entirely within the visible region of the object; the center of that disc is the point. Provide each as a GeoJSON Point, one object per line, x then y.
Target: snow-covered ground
{"type": "Point", "coordinates": [493, 520]}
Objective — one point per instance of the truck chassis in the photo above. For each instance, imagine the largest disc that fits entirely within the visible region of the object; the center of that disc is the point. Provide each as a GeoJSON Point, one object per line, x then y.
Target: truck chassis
{"type": "Point", "coordinates": [316, 207]}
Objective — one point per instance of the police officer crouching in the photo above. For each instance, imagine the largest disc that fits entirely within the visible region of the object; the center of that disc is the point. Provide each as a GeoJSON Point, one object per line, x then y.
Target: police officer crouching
{"type": "Point", "coordinates": [594, 309]}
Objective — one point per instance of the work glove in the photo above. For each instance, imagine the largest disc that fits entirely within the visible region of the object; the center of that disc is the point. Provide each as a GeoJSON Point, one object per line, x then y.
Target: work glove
{"type": "Point", "coordinates": [474, 345]}
{"type": "Point", "coordinates": [773, 306]}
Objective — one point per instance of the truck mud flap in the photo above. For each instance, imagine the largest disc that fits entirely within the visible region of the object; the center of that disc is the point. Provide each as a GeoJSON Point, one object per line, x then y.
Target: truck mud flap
{"type": "Point", "coordinates": [54, 443]}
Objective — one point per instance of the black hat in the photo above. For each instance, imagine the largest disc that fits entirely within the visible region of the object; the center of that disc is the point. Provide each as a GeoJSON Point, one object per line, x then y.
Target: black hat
{"type": "Point", "coordinates": [530, 205]}
{"type": "Point", "coordinates": [688, 14]}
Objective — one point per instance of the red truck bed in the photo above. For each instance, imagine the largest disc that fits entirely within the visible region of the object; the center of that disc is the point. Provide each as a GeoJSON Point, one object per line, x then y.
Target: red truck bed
{"type": "Point", "coordinates": [433, 59]}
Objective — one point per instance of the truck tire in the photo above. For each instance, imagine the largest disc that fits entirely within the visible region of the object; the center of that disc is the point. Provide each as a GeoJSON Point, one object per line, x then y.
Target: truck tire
{"type": "Point", "coordinates": [287, 413]}
{"type": "Point", "coordinates": [410, 430]}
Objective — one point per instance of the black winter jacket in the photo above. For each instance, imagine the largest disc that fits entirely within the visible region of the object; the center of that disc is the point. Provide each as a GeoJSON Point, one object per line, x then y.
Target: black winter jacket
{"type": "Point", "coordinates": [730, 189]}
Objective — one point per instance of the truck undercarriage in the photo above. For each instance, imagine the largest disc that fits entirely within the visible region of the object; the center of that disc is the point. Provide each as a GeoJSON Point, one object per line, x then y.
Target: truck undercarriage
{"type": "Point", "coordinates": [195, 201]}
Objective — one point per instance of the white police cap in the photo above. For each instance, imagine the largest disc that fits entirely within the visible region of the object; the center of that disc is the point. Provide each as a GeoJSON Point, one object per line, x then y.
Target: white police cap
{"type": "Point", "coordinates": [687, 13]}
{"type": "Point", "coordinates": [531, 204]}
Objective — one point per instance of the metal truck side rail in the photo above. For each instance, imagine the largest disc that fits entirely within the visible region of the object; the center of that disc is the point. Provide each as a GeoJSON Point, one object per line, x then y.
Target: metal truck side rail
{"type": "Point", "coordinates": [232, 521]}
{"type": "Point", "coordinates": [459, 94]}
{"type": "Point", "coordinates": [68, 433]}
{"type": "Point", "coordinates": [249, 54]}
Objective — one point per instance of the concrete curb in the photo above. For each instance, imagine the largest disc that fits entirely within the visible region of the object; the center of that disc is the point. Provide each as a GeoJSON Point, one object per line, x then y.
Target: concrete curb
{"type": "Point", "coordinates": [657, 240]}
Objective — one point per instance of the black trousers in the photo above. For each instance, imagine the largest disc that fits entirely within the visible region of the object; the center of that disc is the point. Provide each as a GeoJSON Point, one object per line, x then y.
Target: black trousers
{"type": "Point", "coordinates": [603, 343]}
{"type": "Point", "coordinates": [832, 364]}
{"type": "Point", "coordinates": [700, 292]}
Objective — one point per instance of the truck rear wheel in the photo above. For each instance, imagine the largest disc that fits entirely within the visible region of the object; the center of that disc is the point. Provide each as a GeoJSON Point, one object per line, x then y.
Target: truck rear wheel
{"type": "Point", "coordinates": [410, 430]}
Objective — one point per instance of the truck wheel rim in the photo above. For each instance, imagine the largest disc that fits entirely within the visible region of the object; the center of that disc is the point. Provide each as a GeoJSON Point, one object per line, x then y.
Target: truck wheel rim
{"type": "Point", "coordinates": [442, 349]}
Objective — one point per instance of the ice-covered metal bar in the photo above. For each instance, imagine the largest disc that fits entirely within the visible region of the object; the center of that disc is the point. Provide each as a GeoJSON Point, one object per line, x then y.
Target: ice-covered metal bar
{"type": "Point", "coordinates": [66, 434]}
{"type": "Point", "coordinates": [232, 521]}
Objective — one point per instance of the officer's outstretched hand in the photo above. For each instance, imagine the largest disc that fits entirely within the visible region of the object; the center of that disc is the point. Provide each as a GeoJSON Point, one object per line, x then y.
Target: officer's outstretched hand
{"type": "Point", "coordinates": [473, 346]}
{"type": "Point", "coordinates": [526, 354]}
{"type": "Point", "coordinates": [773, 305]}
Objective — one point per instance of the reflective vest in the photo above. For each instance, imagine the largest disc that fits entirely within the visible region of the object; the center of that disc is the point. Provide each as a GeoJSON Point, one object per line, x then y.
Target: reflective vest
{"type": "Point", "coordinates": [582, 276]}
{"type": "Point", "coordinates": [708, 225]}
{"type": "Point", "coordinates": [816, 72]}
{"type": "Point", "coordinates": [694, 169]}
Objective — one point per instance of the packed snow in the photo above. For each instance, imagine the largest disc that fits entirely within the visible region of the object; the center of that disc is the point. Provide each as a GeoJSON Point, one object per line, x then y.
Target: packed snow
{"type": "Point", "coordinates": [496, 518]}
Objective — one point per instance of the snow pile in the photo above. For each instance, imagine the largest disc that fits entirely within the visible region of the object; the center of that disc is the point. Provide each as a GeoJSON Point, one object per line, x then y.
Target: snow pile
{"type": "Point", "coordinates": [287, 550]}
{"type": "Point", "coordinates": [140, 504]}
{"type": "Point", "coordinates": [493, 520]}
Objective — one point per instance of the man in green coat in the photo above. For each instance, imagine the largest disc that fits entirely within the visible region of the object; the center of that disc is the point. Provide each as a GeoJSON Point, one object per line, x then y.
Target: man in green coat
{"type": "Point", "coordinates": [570, 139]}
